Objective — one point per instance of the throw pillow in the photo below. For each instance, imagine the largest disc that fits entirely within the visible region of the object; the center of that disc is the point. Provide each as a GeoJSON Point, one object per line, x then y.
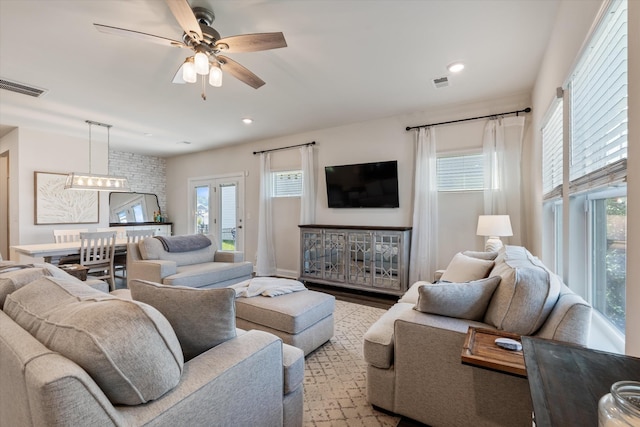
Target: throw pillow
{"type": "Point", "coordinates": [526, 295]}
{"type": "Point", "coordinates": [13, 276]}
{"type": "Point", "coordinates": [201, 318]}
{"type": "Point", "coordinates": [490, 256]}
{"type": "Point", "coordinates": [460, 300]}
{"type": "Point", "coordinates": [464, 268]}
{"type": "Point", "coordinates": [127, 347]}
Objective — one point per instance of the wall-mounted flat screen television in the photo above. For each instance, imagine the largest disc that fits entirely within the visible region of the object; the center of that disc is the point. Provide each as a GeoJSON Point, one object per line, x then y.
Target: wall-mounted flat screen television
{"type": "Point", "coordinates": [363, 185]}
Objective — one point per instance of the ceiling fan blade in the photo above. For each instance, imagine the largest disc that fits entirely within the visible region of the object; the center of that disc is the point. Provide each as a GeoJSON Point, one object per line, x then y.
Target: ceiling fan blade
{"type": "Point", "coordinates": [240, 72]}
{"type": "Point", "coordinates": [185, 17]}
{"type": "Point", "coordinates": [251, 42]}
{"type": "Point", "coordinates": [138, 35]}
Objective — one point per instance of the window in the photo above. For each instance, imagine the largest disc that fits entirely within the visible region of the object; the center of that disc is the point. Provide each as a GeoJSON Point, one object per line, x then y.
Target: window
{"type": "Point", "coordinates": [598, 161]}
{"type": "Point", "coordinates": [599, 98]}
{"type": "Point", "coordinates": [609, 257]}
{"type": "Point", "coordinates": [460, 172]}
{"type": "Point", "coordinates": [287, 183]}
{"type": "Point", "coordinates": [552, 152]}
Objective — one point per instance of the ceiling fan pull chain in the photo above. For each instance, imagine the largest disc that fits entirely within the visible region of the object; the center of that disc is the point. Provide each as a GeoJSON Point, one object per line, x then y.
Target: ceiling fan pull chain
{"type": "Point", "coordinates": [204, 89]}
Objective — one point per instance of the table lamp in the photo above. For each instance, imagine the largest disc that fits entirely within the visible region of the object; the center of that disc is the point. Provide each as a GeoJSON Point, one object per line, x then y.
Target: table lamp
{"type": "Point", "coordinates": [494, 226]}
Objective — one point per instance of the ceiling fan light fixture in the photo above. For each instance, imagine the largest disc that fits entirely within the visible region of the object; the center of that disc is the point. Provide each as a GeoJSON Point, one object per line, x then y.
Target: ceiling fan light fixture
{"type": "Point", "coordinates": [215, 75]}
{"type": "Point", "coordinates": [189, 71]}
{"type": "Point", "coordinates": [201, 62]}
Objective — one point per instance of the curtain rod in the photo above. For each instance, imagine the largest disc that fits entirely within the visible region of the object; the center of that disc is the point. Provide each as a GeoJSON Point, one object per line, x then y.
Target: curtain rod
{"type": "Point", "coordinates": [526, 110]}
{"type": "Point", "coordinates": [285, 148]}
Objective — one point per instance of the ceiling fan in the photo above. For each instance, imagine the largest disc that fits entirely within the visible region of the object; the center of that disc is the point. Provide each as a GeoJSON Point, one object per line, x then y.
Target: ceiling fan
{"type": "Point", "coordinates": [207, 46]}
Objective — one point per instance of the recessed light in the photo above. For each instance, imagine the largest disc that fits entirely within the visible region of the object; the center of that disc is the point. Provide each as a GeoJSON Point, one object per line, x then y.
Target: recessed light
{"type": "Point", "coordinates": [247, 121]}
{"type": "Point", "coordinates": [456, 67]}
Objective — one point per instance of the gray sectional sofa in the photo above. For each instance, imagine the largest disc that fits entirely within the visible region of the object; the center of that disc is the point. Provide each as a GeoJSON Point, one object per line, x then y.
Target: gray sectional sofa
{"type": "Point", "coordinates": [72, 355]}
{"type": "Point", "coordinates": [413, 352]}
{"type": "Point", "coordinates": [205, 267]}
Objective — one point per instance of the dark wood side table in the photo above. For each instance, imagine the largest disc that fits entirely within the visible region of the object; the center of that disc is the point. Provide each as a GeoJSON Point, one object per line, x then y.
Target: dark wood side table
{"type": "Point", "coordinates": [76, 270]}
{"type": "Point", "coordinates": [481, 350]}
{"type": "Point", "coordinates": [567, 381]}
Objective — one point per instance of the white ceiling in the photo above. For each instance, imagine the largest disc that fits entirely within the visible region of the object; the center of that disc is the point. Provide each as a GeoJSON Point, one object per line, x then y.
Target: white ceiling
{"type": "Point", "coordinates": [346, 61]}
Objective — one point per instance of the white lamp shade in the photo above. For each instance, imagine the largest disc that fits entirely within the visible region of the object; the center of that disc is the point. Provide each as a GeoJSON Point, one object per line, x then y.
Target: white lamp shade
{"type": "Point", "coordinates": [494, 226]}
{"type": "Point", "coordinates": [189, 71]}
{"type": "Point", "coordinates": [215, 76]}
{"type": "Point", "coordinates": [201, 62]}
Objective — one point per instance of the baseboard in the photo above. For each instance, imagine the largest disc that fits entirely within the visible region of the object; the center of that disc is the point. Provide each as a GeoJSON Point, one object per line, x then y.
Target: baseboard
{"type": "Point", "coordinates": [288, 274]}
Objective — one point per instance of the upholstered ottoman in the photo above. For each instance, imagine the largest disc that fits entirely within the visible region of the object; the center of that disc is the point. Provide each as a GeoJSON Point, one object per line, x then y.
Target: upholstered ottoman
{"type": "Point", "coordinates": [302, 319]}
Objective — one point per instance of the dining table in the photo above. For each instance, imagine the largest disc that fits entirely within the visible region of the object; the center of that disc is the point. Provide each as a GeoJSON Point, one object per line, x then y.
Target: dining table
{"type": "Point", "coordinates": [53, 252]}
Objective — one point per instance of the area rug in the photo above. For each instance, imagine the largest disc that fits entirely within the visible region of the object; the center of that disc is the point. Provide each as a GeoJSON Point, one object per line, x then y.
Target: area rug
{"type": "Point", "coordinates": [335, 380]}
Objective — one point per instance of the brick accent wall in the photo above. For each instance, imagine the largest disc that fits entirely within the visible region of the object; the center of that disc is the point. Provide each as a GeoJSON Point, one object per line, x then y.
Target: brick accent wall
{"type": "Point", "coordinates": [146, 174]}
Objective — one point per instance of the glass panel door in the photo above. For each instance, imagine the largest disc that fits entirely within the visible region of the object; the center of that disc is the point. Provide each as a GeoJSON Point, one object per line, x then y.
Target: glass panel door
{"type": "Point", "coordinates": [201, 225]}
{"type": "Point", "coordinates": [217, 209]}
{"type": "Point", "coordinates": [228, 215]}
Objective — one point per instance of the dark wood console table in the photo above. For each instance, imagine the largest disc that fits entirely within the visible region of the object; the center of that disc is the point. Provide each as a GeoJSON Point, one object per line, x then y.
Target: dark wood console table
{"type": "Point", "coordinates": [567, 381]}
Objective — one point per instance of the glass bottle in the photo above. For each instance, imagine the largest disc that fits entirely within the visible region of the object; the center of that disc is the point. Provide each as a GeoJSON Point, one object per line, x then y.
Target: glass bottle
{"type": "Point", "coordinates": [621, 407]}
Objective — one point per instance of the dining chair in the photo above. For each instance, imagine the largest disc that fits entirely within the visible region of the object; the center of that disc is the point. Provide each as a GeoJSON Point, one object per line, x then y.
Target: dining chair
{"type": "Point", "coordinates": [121, 232]}
{"type": "Point", "coordinates": [72, 235]}
{"type": "Point", "coordinates": [134, 236]}
{"type": "Point", "coordinates": [120, 257]}
{"type": "Point", "coordinates": [68, 235]}
{"type": "Point", "coordinates": [97, 252]}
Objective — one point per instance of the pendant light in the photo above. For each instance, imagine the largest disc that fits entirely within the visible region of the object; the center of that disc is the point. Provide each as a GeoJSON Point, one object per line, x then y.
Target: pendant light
{"type": "Point", "coordinates": [97, 182]}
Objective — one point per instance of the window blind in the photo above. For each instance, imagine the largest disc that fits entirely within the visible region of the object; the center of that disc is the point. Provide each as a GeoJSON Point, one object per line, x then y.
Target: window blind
{"type": "Point", "coordinates": [599, 98]}
{"type": "Point", "coordinates": [460, 173]}
{"type": "Point", "coordinates": [552, 152]}
{"type": "Point", "coordinates": [287, 184]}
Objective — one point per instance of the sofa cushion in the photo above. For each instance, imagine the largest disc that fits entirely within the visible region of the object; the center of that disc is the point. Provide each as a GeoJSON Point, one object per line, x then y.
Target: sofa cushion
{"type": "Point", "coordinates": [463, 268]}
{"type": "Point", "coordinates": [199, 275]}
{"type": "Point", "coordinates": [127, 347]}
{"type": "Point", "coordinates": [467, 300]}
{"type": "Point", "coordinates": [526, 294]}
{"type": "Point", "coordinates": [13, 276]}
{"type": "Point", "coordinates": [201, 318]}
{"type": "Point", "coordinates": [152, 249]}
{"type": "Point", "coordinates": [290, 313]}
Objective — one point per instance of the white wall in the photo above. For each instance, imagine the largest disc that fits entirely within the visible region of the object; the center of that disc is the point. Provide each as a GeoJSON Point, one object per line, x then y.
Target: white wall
{"type": "Point", "coordinates": [32, 151]}
{"type": "Point", "coordinates": [376, 140]}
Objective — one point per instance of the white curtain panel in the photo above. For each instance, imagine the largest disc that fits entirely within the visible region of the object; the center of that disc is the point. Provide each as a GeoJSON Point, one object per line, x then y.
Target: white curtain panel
{"type": "Point", "coordinates": [308, 199]}
{"type": "Point", "coordinates": [265, 256]}
{"type": "Point", "coordinates": [424, 235]}
{"type": "Point", "coordinates": [502, 149]}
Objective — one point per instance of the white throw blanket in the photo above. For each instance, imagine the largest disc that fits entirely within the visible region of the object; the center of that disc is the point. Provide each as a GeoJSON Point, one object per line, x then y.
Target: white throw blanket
{"type": "Point", "coordinates": [267, 286]}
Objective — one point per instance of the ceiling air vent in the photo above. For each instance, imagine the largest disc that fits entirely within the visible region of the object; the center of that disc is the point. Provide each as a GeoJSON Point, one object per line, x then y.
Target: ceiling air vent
{"type": "Point", "coordinates": [441, 82]}
{"type": "Point", "coordinates": [21, 88]}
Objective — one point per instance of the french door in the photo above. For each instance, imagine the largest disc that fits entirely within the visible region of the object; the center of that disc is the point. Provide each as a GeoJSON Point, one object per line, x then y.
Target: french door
{"type": "Point", "coordinates": [217, 208]}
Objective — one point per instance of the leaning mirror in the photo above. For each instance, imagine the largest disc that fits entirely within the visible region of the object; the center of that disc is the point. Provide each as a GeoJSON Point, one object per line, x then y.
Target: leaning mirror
{"type": "Point", "coordinates": [131, 208]}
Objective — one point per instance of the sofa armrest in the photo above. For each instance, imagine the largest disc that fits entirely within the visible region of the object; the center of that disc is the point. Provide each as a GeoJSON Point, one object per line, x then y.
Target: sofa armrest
{"type": "Point", "coordinates": [208, 392]}
{"type": "Point", "coordinates": [429, 376]}
{"type": "Point", "coordinates": [152, 270]}
{"type": "Point", "coordinates": [570, 320]}
{"type": "Point", "coordinates": [228, 256]}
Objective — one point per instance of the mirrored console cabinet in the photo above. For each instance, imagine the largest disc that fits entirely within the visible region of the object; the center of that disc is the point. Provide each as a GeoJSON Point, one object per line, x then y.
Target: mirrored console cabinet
{"type": "Point", "coordinates": [374, 259]}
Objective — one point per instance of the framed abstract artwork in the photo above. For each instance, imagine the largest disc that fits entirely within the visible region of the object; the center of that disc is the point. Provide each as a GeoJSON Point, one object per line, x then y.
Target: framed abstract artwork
{"type": "Point", "coordinates": [55, 205]}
